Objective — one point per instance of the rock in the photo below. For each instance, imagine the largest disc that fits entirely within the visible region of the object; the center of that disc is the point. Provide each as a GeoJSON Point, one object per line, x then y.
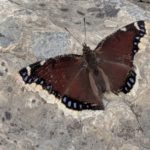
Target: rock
{"type": "Point", "coordinates": [30, 120]}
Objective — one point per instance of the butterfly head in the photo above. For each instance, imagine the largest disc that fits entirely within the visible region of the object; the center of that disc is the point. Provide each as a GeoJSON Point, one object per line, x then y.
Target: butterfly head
{"type": "Point", "coordinates": [86, 48]}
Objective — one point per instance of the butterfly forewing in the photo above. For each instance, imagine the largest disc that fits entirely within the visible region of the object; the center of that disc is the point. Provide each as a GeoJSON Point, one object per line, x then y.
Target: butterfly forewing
{"type": "Point", "coordinates": [122, 45]}
{"type": "Point", "coordinates": [59, 71]}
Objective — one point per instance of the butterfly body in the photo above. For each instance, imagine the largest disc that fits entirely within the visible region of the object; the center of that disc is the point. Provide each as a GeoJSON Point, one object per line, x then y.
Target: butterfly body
{"type": "Point", "coordinates": [90, 60]}
{"type": "Point", "coordinates": [80, 81]}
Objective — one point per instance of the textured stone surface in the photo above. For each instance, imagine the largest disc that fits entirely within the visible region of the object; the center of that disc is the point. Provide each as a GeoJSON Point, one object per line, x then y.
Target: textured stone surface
{"type": "Point", "coordinates": [145, 4]}
{"type": "Point", "coordinates": [33, 30]}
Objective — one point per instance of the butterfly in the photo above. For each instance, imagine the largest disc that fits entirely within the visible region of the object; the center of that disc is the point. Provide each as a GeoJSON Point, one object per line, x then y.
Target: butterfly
{"type": "Point", "coordinates": [80, 81]}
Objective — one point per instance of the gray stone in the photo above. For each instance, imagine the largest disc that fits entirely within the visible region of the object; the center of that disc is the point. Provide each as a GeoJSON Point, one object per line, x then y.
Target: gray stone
{"type": "Point", "coordinates": [30, 120]}
{"type": "Point", "coordinates": [49, 44]}
{"type": "Point", "coordinates": [10, 32]}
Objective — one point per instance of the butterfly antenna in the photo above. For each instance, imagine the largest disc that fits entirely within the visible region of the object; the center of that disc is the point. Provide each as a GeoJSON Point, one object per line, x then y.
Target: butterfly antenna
{"type": "Point", "coordinates": [84, 31]}
{"type": "Point", "coordinates": [73, 36]}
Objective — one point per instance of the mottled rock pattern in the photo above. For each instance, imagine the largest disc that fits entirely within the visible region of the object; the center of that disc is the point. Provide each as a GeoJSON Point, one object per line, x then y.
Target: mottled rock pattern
{"type": "Point", "coordinates": [33, 30]}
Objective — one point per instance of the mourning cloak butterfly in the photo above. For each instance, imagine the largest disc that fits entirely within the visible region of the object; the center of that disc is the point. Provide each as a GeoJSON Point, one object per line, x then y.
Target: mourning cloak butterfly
{"type": "Point", "coordinates": [80, 81]}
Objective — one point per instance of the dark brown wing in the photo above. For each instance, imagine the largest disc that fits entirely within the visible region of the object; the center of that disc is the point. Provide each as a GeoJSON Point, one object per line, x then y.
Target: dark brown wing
{"type": "Point", "coordinates": [115, 55]}
{"type": "Point", "coordinates": [116, 74]}
{"type": "Point", "coordinates": [66, 78]}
